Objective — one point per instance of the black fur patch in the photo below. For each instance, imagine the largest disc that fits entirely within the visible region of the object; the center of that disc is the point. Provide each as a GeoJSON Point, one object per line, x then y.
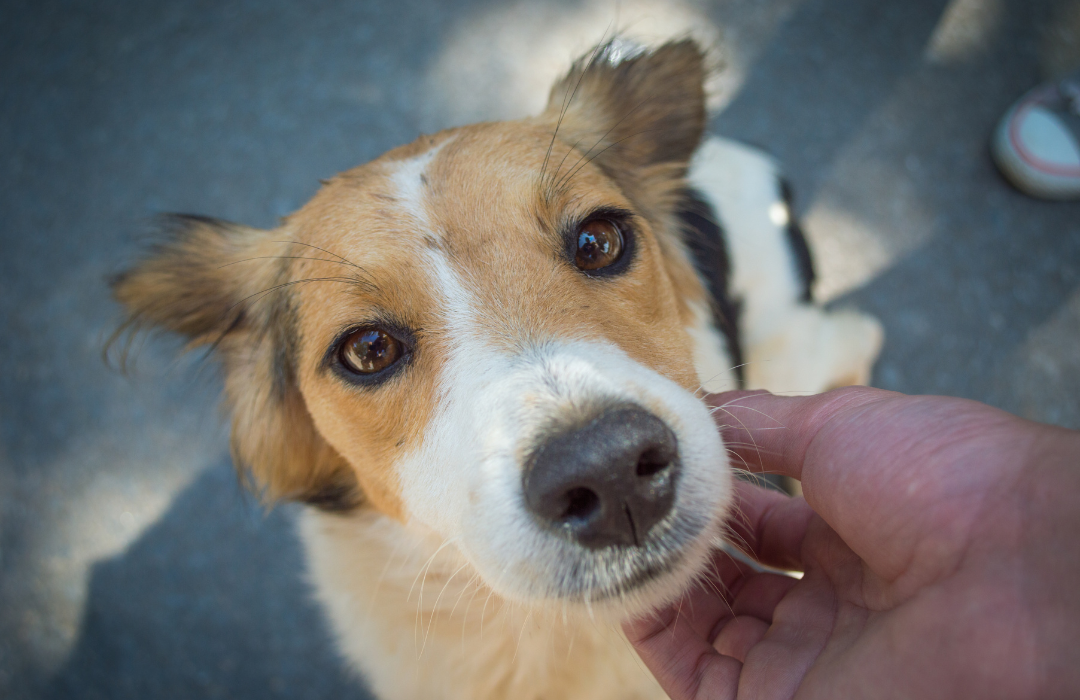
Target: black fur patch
{"type": "Point", "coordinates": [282, 333]}
{"type": "Point", "coordinates": [340, 495]}
{"type": "Point", "coordinates": [804, 262]}
{"type": "Point", "coordinates": [705, 240]}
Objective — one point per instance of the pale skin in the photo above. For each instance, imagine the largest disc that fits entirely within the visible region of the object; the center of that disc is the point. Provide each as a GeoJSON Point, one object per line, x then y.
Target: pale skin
{"type": "Point", "coordinates": [940, 540]}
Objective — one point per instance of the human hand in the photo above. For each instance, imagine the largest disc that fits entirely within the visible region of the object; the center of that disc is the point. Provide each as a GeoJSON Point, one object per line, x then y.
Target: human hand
{"type": "Point", "coordinates": [939, 540]}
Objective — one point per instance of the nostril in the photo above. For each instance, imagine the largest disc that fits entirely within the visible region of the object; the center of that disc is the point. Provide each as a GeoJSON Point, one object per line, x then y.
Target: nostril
{"type": "Point", "coordinates": [652, 462]}
{"type": "Point", "coordinates": [582, 504]}
{"type": "Point", "coordinates": [605, 483]}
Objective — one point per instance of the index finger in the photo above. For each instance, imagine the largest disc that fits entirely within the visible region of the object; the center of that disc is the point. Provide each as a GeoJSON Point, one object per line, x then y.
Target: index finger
{"type": "Point", "coordinates": [770, 434]}
{"type": "Point", "coordinates": [883, 470]}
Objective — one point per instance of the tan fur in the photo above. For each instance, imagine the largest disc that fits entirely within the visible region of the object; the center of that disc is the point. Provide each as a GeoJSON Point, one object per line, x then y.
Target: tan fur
{"type": "Point", "coordinates": [210, 283]}
{"type": "Point", "coordinates": [418, 625]}
{"type": "Point", "coordinates": [497, 216]}
{"type": "Point", "coordinates": [499, 228]}
{"type": "Point", "coordinates": [492, 201]}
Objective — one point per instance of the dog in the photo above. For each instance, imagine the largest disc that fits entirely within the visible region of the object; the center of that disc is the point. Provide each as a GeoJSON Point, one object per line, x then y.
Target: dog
{"type": "Point", "coordinates": [480, 359]}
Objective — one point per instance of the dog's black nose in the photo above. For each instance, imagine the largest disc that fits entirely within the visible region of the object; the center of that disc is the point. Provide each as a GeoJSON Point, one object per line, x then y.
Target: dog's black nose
{"type": "Point", "coordinates": [607, 482]}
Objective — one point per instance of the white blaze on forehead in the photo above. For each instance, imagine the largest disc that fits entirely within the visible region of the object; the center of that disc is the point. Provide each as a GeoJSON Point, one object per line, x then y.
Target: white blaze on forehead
{"type": "Point", "coordinates": [408, 180]}
{"type": "Point", "coordinates": [459, 308]}
{"type": "Point", "coordinates": [431, 479]}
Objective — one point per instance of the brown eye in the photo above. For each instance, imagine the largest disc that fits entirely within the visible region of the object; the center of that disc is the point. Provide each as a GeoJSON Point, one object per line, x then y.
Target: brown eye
{"type": "Point", "coordinates": [370, 350]}
{"type": "Point", "coordinates": [599, 243]}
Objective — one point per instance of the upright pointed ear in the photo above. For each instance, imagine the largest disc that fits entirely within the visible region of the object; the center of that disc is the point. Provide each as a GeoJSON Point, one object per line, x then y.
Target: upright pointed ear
{"type": "Point", "coordinates": [632, 109]}
{"type": "Point", "coordinates": [227, 286]}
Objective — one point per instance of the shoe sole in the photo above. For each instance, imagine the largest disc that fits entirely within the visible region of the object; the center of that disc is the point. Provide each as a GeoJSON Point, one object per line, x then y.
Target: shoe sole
{"type": "Point", "coordinates": [1023, 172]}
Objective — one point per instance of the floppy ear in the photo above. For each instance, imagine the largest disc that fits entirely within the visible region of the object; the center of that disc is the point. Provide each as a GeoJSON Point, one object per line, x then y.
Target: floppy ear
{"type": "Point", "coordinates": [227, 286]}
{"type": "Point", "coordinates": [631, 109]}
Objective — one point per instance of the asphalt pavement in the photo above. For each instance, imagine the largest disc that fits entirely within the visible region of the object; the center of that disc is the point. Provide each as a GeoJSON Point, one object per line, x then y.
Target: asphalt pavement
{"type": "Point", "coordinates": [131, 563]}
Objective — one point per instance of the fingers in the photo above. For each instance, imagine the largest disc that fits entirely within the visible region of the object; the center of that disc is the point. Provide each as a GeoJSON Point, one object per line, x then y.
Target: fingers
{"type": "Point", "coordinates": [850, 448]}
{"type": "Point", "coordinates": [695, 647]}
{"type": "Point", "coordinates": [739, 635]}
{"type": "Point", "coordinates": [769, 526]}
{"type": "Point", "coordinates": [776, 665]}
{"type": "Point", "coordinates": [770, 434]}
{"type": "Point", "coordinates": [681, 658]}
{"type": "Point", "coordinates": [759, 595]}
{"type": "Point", "coordinates": [761, 657]}
{"type": "Point", "coordinates": [886, 472]}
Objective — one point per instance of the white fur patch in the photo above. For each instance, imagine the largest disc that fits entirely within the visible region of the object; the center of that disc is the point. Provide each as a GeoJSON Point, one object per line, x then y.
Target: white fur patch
{"type": "Point", "coordinates": [463, 485]}
{"type": "Point", "coordinates": [741, 183]}
{"type": "Point", "coordinates": [465, 482]}
{"type": "Point", "coordinates": [789, 346]}
{"type": "Point", "coordinates": [712, 357]}
{"type": "Point", "coordinates": [428, 485]}
{"type": "Point", "coordinates": [408, 180]}
{"type": "Point", "coordinates": [470, 597]}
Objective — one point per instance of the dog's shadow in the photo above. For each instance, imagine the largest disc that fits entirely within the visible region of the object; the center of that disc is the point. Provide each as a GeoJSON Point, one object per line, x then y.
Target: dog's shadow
{"type": "Point", "coordinates": [209, 602]}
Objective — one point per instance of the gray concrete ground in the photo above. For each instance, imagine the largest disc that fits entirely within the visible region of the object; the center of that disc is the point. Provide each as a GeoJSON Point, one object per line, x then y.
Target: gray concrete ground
{"type": "Point", "coordinates": [131, 565]}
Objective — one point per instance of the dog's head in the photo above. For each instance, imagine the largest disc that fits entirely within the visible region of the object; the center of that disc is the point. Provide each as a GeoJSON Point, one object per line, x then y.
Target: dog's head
{"type": "Point", "coordinates": [482, 334]}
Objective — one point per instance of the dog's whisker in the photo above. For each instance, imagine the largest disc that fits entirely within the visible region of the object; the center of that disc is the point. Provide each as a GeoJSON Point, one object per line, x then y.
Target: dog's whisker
{"type": "Point", "coordinates": [431, 559]}
{"type": "Point", "coordinates": [382, 574]}
{"type": "Point", "coordinates": [678, 613]}
{"type": "Point", "coordinates": [756, 448]}
{"type": "Point", "coordinates": [465, 616]}
{"type": "Point", "coordinates": [324, 250]}
{"type": "Point", "coordinates": [701, 387]}
{"type": "Point", "coordinates": [491, 592]}
{"type": "Point", "coordinates": [734, 403]}
{"type": "Point", "coordinates": [483, 612]}
{"type": "Point", "coordinates": [751, 445]}
{"type": "Point", "coordinates": [416, 405]}
{"type": "Point", "coordinates": [735, 539]}
{"type": "Point", "coordinates": [284, 257]}
{"type": "Point", "coordinates": [750, 470]}
{"type": "Point", "coordinates": [283, 285]}
{"type": "Point", "coordinates": [464, 588]}
{"type": "Point", "coordinates": [435, 607]}
{"type": "Point", "coordinates": [558, 169]}
{"type": "Point", "coordinates": [562, 184]}
{"type": "Point", "coordinates": [568, 100]}
{"type": "Point", "coordinates": [601, 139]}
{"type": "Point", "coordinates": [517, 647]}
{"type": "Point", "coordinates": [446, 584]}
{"type": "Point", "coordinates": [716, 584]}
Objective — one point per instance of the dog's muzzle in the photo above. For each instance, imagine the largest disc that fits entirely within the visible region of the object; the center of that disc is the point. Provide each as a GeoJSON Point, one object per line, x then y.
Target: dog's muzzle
{"type": "Point", "coordinates": [607, 482]}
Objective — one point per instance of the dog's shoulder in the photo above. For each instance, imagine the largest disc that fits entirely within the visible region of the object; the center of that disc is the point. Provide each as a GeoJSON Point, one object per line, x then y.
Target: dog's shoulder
{"type": "Point", "coordinates": [745, 241]}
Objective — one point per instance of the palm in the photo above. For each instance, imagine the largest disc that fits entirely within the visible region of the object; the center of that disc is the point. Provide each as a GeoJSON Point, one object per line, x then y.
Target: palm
{"type": "Point", "coordinates": [896, 581]}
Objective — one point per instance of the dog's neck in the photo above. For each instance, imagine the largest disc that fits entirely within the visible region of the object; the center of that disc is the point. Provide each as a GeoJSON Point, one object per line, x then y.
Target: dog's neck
{"type": "Point", "coordinates": [414, 604]}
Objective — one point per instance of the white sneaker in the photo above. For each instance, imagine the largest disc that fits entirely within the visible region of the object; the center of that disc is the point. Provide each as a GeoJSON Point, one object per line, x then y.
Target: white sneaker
{"type": "Point", "coordinates": [1037, 143]}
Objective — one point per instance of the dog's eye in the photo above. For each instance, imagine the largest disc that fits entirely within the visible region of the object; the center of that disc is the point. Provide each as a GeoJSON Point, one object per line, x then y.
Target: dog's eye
{"type": "Point", "coordinates": [369, 350]}
{"type": "Point", "coordinates": [599, 244]}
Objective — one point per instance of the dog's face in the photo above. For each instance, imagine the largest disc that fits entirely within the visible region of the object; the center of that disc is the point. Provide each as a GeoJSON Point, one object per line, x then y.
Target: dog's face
{"type": "Point", "coordinates": [483, 334]}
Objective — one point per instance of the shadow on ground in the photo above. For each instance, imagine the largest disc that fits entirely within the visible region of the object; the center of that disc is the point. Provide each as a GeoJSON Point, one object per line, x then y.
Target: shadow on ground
{"type": "Point", "coordinates": [113, 111]}
{"type": "Point", "coordinates": [978, 289]}
{"type": "Point", "coordinates": [208, 603]}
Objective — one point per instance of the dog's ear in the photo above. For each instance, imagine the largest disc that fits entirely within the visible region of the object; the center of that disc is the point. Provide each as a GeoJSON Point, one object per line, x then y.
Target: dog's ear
{"type": "Point", "coordinates": [638, 115]}
{"type": "Point", "coordinates": [227, 287]}
{"type": "Point", "coordinates": [631, 109]}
